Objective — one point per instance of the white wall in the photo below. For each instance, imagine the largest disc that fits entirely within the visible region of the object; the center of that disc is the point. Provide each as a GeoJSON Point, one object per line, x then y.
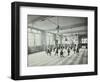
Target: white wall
{"type": "Point", "coordinates": [5, 40]}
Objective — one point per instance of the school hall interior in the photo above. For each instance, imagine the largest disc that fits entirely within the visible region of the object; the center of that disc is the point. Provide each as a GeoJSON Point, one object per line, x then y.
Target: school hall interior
{"type": "Point", "coordinates": [57, 40]}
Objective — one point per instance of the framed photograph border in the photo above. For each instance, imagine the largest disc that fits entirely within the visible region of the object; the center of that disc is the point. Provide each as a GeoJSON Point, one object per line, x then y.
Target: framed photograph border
{"type": "Point", "coordinates": [15, 40]}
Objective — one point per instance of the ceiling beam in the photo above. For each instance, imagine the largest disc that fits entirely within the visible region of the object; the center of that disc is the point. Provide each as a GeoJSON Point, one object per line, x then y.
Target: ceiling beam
{"type": "Point", "coordinates": [69, 27]}
{"type": "Point", "coordinates": [77, 31]}
{"type": "Point", "coordinates": [42, 18]}
{"type": "Point", "coordinates": [35, 28]}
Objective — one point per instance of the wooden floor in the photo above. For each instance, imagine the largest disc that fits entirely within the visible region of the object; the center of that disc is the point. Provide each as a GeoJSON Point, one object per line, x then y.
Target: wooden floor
{"type": "Point", "coordinates": [42, 59]}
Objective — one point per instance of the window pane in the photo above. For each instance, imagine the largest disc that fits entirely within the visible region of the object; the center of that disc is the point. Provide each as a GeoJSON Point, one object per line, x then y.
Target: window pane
{"type": "Point", "coordinates": [30, 39]}
{"type": "Point", "coordinates": [37, 39]}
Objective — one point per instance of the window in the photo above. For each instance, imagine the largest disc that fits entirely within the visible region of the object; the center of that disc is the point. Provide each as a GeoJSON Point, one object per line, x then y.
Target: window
{"type": "Point", "coordinates": [50, 39]}
{"type": "Point", "coordinates": [84, 40]}
{"type": "Point", "coordinates": [31, 39]}
{"type": "Point", "coordinates": [34, 38]}
{"type": "Point", "coordinates": [37, 39]}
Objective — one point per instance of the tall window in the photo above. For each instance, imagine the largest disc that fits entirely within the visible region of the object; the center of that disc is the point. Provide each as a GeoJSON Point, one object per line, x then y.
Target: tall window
{"type": "Point", "coordinates": [64, 40]}
{"type": "Point", "coordinates": [34, 38]}
{"type": "Point", "coordinates": [50, 39]}
{"type": "Point", "coordinates": [58, 39]}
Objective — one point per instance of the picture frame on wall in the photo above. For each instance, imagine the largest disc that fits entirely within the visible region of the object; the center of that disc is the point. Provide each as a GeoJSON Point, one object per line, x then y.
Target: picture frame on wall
{"type": "Point", "coordinates": [53, 40]}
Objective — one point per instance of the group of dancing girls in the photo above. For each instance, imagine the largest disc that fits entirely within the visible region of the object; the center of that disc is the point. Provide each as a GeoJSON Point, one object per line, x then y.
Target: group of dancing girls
{"type": "Point", "coordinates": [60, 48]}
